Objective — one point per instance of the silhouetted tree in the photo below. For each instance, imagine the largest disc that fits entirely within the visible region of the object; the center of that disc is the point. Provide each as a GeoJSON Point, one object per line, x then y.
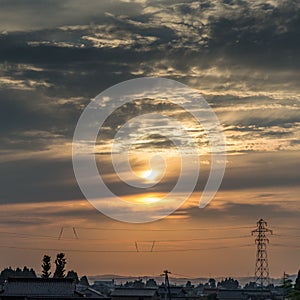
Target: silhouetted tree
{"type": "Point", "coordinates": [251, 285]}
{"type": "Point", "coordinates": [297, 287]}
{"type": "Point", "coordinates": [60, 263]}
{"type": "Point", "coordinates": [128, 283]}
{"type": "Point", "coordinates": [46, 266]}
{"type": "Point", "coordinates": [229, 283]}
{"type": "Point", "coordinates": [297, 282]}
{"type": "Point", "coordinates": [138, 284]}
{"type": "Point", "coordinates": [72, 274]}
{"type": "Point", "coordinates": [212, 283]}
{"type": "Point", "coordinates": [151, 283]}
{"type": "Point", "coordinates": [189, 284]}
{"type": "Point", "coordinates": [32, 273]}
{"type": "Point", "coordinates": [18, 272]}
{"type": "Point", "coordinates": [9, 272]}
{"type": "Point", "coordinates": [84, 281]}
{"type": "Point", "coordinates": [287, 286]}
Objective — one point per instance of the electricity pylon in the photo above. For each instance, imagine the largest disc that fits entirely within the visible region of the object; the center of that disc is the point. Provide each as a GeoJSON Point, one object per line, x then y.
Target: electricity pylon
{"type": "Point", "coordinates": [261, 266]}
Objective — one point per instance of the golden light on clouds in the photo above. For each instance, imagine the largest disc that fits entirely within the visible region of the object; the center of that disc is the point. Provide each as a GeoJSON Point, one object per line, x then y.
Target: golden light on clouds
{"type": "Point", "coordinates": [149, 200]}
{"type": "Point", "coordinates": [228, 235]}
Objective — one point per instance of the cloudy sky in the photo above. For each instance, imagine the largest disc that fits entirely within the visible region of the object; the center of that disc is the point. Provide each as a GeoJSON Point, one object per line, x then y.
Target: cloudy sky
{"type": "Point", "coordinates": [241, 56]}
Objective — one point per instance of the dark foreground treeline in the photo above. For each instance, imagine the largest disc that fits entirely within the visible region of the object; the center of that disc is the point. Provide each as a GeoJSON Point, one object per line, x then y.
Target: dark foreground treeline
{"type": "Point", "coordinates": [59, 271]}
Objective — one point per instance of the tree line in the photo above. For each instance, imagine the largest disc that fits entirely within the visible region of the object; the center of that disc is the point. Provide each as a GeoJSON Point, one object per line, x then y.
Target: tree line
{"type": "Point", "coordinates": [60, 264]}
{"type": "Point", "coordinates": [59, 271]}
{"type": "Point", "coordinates": [290, 290]}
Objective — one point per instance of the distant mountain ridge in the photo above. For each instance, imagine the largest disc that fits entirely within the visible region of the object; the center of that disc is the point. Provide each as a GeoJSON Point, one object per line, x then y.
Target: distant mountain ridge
{"type": "Point", "coordinates": [177, 280]}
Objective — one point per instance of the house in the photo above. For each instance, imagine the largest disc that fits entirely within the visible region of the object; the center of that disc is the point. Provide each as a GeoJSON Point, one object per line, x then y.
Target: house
{"type": "Point", "coordinates": [135, 294]}
{"type": "Point", "coordinates": [234, 294]}
{"type": "Point", "coordinates": [91, 293]}
{"type": "Point", "coordinates": [177, 292]}
{"type": "Point", "coordinates": [207, 291]}
{"type": "Point", "coordinates": [258, 294]}
{"type": "Point", "coordinates": [34, 288]}
{"type": "Point", "coordinates": [247, 294]}
{"type": "Point", "coordinates": [104, 286]}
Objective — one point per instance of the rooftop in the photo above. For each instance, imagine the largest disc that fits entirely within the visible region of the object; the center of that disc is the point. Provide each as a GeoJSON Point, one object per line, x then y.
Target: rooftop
{"type": "Point", "coordinates": [143, 292]}
{"type": "Point", "coordinates": [39, 287]}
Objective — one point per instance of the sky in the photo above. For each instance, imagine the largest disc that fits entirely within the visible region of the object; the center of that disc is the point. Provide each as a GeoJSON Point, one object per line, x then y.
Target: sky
{"type": "Point", "coordinates": [241, 56]}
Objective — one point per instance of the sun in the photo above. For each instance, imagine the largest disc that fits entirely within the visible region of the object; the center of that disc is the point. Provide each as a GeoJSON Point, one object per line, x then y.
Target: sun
{"type": "Point", "coordinates": [150, 200]}
{"type": "Point", "coordinates": [149, 175]}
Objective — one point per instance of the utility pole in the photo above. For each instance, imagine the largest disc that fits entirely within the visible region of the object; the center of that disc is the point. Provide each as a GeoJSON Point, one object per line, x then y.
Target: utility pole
{"type": "Point", "coordinates": [261, 266]}
{"type": "Point", "coordinates": [284, 285]}
{"type": "Point", "coordinates": [287, 285]}
{"type": "Point", "coordinates": [167, 283]}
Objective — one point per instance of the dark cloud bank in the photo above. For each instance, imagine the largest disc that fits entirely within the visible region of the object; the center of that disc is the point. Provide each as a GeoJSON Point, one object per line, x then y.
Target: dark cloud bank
{"type": "Point", "coordinates": [52, 65]}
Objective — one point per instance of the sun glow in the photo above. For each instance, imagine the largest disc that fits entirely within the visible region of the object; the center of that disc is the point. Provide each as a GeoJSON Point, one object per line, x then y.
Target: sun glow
{"type": "Point", "coordinates": [149, 200]}
{"type": "Point", "coordinates": [149, 175]}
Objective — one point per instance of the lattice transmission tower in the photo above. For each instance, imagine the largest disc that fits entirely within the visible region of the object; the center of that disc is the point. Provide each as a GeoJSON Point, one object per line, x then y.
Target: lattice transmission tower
{"type": "Point", "coordinates": [262, 276]}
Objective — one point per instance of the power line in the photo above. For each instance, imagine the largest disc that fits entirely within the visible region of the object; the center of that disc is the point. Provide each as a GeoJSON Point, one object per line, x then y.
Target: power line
{"type": "Point", "coordinates": [75, 233]}
{"type": "Point", "coordinates": [29, 235]}
{"type": "Point", "coordinates": [62, 238]}
{"type": "Point", "coordinates": [157, 241]}
{"type": "Point", "coordinates": [136, 247]}
{"type": "Point", "coordinates": [124, 251]}
{"type": "Point", "coordinates": [184, 276]}
{"type": "Point", "coordinates": [195, 239]}
{"type": "Point", "coordinates": [60, 233]}
{"type": "Point", "coordinates": [286, 236]}
{"type": "Point", "coordinates": [286, 227]}
{"type": "Point", "coordinates": [62, 229]}
{"type": "Point", "coordinates": [152, 247]}
{"type": "Point", "coordinates": [166, 230]}
{"type": "Point", "coordinates": [286, 246]}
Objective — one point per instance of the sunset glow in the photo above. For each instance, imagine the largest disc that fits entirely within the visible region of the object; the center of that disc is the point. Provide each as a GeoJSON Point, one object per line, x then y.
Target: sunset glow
{"type": "Point", "coordinates": [60, 58]}
{"type": "Point", "coordinates": [150, 175]}
{"type": "Point", "coordinates": [149, 200]}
